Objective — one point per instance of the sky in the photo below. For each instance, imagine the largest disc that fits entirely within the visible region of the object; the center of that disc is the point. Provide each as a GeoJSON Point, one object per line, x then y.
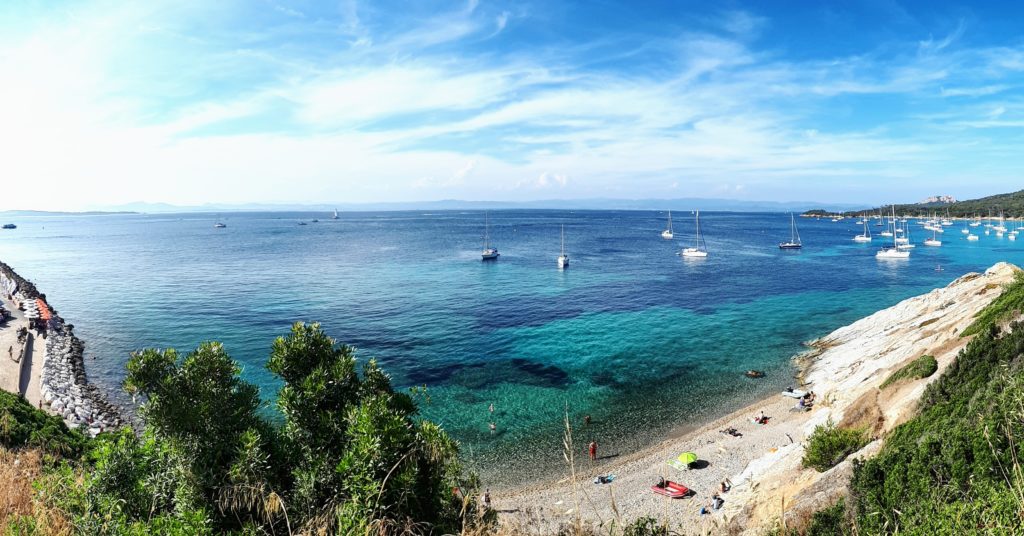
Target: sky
{"type": "Point", "coordinates": [274, 101]}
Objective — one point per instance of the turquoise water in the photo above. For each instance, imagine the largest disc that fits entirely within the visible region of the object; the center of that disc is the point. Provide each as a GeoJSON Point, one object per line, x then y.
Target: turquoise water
{"type": "Point", "coordinates": [640, 339]}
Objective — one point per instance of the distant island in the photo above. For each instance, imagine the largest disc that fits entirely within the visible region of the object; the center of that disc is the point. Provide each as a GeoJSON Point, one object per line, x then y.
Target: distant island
{"type": "Point", "coordinates": [1010, 205]}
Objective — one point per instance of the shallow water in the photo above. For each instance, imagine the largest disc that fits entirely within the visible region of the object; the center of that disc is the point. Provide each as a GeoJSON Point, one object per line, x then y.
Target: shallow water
{"type": "Point", "coordinates": [635, 336]}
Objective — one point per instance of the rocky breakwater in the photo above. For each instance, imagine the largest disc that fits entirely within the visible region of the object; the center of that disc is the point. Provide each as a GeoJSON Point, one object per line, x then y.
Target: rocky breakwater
{"type": "Point", "coordinates": [66, 389]}
{"type": "Point", "coordinates": [64, 386]}
{"type": "Point", "coordinates": [846, 369]}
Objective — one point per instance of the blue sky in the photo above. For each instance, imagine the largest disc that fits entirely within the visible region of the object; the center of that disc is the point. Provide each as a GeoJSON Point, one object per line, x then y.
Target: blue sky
{"type": "Point", "coordinates": [188, 102]}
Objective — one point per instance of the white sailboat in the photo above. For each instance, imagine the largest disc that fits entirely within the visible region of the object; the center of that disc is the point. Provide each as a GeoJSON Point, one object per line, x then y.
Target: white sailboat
{"type": "Point", "coordinates": [891, 224]}
{"type": "Point", "coordinates": [700, 248]}
{"type": "Point", "coordinates": [894, 252]}
{"type": "Point", "coordinates": [335, 215]}
{"type": "Point", "coordinates": [489, 253]}
{"type": "Point", "coordinates": [563, 259]}
{"type": "Point", "coordinates": [667, 233]}
{"type": "Point", "coordinates": [794, 235]}
{"type": "Point", "coordinates": [934, 240]}
{"type": "Point", "coordinates": [865, 236]}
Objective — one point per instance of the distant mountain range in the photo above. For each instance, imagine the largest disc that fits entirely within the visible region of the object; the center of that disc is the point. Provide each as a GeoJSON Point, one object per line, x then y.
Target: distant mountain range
{"type": "Point", "coordinates": [728, 205]}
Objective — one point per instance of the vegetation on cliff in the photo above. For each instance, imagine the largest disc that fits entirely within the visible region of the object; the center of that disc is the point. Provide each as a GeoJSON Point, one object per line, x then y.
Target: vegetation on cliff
{"type": "Point", "coordinates": [921, 367]}
{"type": "Point", "coordinates": [348, 456]}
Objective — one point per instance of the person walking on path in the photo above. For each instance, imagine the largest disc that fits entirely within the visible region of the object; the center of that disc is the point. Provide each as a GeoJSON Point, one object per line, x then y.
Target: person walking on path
{"type": "Point", "coordinates": [593, 450]}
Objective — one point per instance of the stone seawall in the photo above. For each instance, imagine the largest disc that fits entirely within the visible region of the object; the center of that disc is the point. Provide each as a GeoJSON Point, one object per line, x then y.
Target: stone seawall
{"type": "Point", "coordinates": [64, 385]}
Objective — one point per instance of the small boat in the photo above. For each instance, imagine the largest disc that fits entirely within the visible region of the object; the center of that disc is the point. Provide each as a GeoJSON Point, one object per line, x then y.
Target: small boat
{"type": "Point", "coordinates": [335, 215]}
{"type": "Point", "coordinates": [934, 240]}
{"type": "Point", "coordinates": [316, 220]}
{"type": "Point", "coordinates": [302, 223]}
{"type": "Point", "coordinates": [863, 237]}
{"type": "Point", "coordinates": [667, 233]}
{"type": "Point", "coordinates": [794, 235]}
{"type": "Point", "coordinates": [894, 252]}
{"type": "Point", "coordinates": [972, 237]}
{"type": "Point", "coordinates": [754, 373]}
{"type": "Point", "coordinates": [671, 489]}
{"type": "Point", "coordinates": [10, 226]}
{"type": "Point", "coordinates": [700, 248]}
{"type": "Point", "coordinates": [488, 253]}
{"type": "Point", "coordinates": [219, 225]}
{"type": "Point", "coordinates": [563, 259]}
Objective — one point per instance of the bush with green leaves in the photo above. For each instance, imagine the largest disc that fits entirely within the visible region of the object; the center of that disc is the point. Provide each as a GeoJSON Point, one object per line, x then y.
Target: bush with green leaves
{"type": "Point", "coordinates": [1008, 304]}
{"type": "Point", "coordinates": [22, 425]}
{"type": "Point", "coordinates": [828, 445]}
{"type": "Point", "coordinates": [349, 456]}
{"type": "Point", "coordinates": [921, 367]}
{"type": "Point", "coordinates": [954, 468]}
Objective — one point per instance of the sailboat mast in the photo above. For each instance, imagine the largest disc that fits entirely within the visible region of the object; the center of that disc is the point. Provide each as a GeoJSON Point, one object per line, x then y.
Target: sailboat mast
{"type": "Point", "coordinates": [486, 230]}
{"type": "Point", "coordinates": [563, 240]}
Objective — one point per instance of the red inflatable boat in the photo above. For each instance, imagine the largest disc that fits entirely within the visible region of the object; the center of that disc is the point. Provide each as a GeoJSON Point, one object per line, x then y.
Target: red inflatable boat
{"type": "Point", "coordinates": [671, 489]}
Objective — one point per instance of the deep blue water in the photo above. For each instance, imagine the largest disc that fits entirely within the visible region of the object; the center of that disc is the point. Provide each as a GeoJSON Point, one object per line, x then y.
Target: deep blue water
{"type": "Point", "coordinates": [644, 341]}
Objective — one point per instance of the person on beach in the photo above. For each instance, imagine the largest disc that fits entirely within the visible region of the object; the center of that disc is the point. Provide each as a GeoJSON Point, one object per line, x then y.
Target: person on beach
{"type": "Point", "coordinates": [487, 499]}
{"type": "Point", "coordinates": [592, 448]}
{"type": "Point", "coordinates": [726, 485]}
{"type": "Point", "coordinates": [717, 501]}
{"type": "Point", "coordinates": [586, 420]}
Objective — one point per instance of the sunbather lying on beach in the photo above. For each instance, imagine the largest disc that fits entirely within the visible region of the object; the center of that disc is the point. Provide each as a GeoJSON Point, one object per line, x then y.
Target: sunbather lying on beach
{"type": "Point", "coordinates": [732, 431]}
{"type": "Point", "coordinates": [726, 485]}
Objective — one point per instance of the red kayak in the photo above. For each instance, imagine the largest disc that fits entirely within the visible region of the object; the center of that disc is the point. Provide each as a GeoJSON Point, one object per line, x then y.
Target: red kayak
{"type": "Point", "coordinates": [671, 489]}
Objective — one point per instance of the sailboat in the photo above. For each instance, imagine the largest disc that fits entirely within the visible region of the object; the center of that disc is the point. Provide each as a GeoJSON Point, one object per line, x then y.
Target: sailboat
{"type": "Point", "coordinates": [700, 248]}
{"type": "Point", "coordinates": [889, 225]}
{"type": "Point", "coordinates": [934, 240]}
{"type": "Point", "coordinates": [794, 235]}
{"type": "Point", "coordinates": [335, 215]}
{"type": "Point", "coordinates": [865, 236]}
{"type": "Point", "coordinates": [563, 259]}
{"type": "Point", "coordinates": [667, 233]}
{"type": "Point", "coordinates": [489, 253]}
{"type": "Point", "coordinates": [894, 252]}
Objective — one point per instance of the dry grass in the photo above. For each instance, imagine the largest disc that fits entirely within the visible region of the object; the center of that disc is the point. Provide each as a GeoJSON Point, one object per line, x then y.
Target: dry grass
{"type": "Point", "coordinates": [18, 504]}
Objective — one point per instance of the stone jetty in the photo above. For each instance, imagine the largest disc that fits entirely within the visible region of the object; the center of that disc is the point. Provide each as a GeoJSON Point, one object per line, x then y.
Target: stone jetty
{"type": "Point", "coordinates": [64, 385]}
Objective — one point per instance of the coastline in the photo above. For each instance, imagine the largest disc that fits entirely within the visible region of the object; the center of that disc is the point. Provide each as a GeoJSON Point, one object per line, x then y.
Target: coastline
{"type": "Point", "coordinates": [51, 371]}
{"type": "Point", "coordinates": [844, 368]}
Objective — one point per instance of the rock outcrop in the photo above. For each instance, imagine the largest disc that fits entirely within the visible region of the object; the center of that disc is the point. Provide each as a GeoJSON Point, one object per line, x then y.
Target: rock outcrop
{"type": "Point", "coordinates": [845, 370]}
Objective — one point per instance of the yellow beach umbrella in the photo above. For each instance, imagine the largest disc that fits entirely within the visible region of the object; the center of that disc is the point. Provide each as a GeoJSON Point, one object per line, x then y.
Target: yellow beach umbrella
{"type": "Point", "coordinates": [687, 457]}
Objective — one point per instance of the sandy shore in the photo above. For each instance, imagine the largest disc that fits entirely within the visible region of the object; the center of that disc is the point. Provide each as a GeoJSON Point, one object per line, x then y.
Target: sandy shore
{"type": "Point", "coordinates": [721, 456]}
{"type": "Point", "coordinates": [845, 371]}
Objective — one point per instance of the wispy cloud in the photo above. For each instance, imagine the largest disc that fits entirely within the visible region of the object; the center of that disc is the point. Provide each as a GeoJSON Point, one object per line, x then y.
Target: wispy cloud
{"type": "Point", "coordinates": [355, 104]}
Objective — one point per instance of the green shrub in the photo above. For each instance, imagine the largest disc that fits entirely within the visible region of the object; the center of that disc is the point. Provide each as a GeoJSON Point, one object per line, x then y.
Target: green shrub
{"type": "Point", "coordinates": [829, 521]}
{"type": "Point", "coordinates": [22, 425]}
{"type": "Point", "coordinates": [921, 367]}
{"type": "Point", "coordinates": [1004, 307]}
{"type": "Point", "coordinates": [349, 455]}
{"type": "Point", "coordinates": [829, 445]}
{"type": "Point", "coordinates": [954, 469]}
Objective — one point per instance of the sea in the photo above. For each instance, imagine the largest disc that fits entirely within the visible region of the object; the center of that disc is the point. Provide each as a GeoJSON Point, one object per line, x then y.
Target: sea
{"type": "Point", "coordinates": [646, 343]}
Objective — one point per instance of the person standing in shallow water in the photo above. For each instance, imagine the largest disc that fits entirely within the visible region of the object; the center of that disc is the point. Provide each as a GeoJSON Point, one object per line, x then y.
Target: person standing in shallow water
{"type": "Point", "coordinates": [593, 450]}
